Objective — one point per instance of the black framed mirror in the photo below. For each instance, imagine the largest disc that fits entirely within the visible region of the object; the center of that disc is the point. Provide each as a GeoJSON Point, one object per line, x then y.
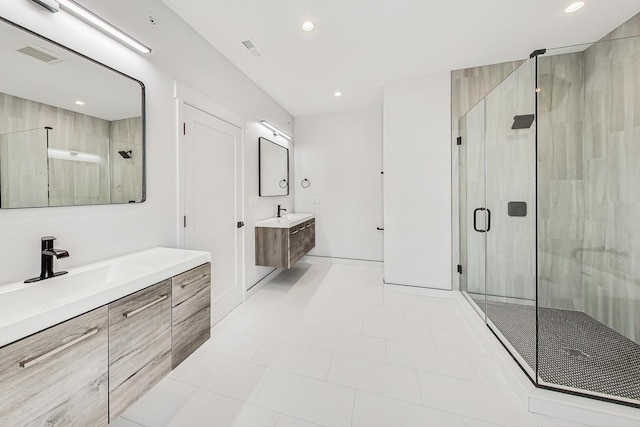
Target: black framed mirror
{"type": "Point", "coordinates": [72, 130]}
{"type": "Point", "coordinates": [273, 168]}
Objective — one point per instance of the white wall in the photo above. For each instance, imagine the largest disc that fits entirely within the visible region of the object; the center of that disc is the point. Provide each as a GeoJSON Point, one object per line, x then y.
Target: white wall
{"type": "Point", "coordinates": [417, 181]}
{"type": "Point", "coordinates": [97, 232]}
{"type": "Point", "coordinates": [341, 155]}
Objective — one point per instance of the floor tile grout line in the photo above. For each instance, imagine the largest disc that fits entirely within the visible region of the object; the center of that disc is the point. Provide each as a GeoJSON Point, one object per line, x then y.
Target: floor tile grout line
{"type": "Point", "coordinates": [419, 388]}
{"type": "Point", "coordinates": [353, 406]}
{"type": "Point", "coordinates": [326, 378]}
{"type": "Point", "coordinates": [422, 405]}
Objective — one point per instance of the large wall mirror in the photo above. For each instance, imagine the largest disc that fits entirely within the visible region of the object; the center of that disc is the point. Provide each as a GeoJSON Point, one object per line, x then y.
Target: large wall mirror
{"type": "Point", "coordinates": [274, 168]}
{"type": "Point", "coordinates": [71, 129]}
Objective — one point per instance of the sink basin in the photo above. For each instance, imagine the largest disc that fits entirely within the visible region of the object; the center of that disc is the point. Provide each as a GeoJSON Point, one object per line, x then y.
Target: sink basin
{"type": "Point", "coordinates": [99, 276]}
{"type": "Point", "coordinates": [286, 221]}
{"type": "Point", "coordinates": [26, 308]}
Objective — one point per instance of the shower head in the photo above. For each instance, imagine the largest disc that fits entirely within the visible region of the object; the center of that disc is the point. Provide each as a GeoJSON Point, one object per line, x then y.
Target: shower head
{"type": "Point", "coordinates": [125, 154]}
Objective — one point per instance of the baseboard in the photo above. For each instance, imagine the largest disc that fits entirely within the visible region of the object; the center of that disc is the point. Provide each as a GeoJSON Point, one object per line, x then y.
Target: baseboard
{"type": "Point", "coordinates": [417, 290]}
{"type": "Point", "coordinates": [317, 259]}
{"type": "Point", "coordinates": [258, 285]}
{"type": "Point", "coordinates": [551, 403]}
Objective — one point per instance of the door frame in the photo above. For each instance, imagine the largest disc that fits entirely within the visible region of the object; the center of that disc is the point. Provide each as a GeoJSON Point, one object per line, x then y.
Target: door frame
{"type": "Point", "coordinates": [184, 95]}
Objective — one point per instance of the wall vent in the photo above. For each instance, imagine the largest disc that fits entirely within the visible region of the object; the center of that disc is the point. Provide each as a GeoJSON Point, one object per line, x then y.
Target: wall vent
{"type": "Point", "coordinates": [253, 48]}
{"type": "Point", "coordinates": [39, 54]}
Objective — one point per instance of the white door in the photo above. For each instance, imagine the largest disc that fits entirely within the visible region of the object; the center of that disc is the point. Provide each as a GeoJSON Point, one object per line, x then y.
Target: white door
{"type": "Point", "coordinates": [212, 180]}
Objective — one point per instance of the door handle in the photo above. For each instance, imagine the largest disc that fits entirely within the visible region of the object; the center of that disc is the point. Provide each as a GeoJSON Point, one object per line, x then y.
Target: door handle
{"type": "Point", "coordinates": [475, 220]}
{"type": "Point", "coordinates": [488, 219]}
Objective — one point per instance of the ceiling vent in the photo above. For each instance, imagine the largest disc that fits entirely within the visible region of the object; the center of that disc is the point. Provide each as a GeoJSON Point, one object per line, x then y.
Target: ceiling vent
{"type": "Point", "coordinates": [253, 48]}
{"type": "Point", "coordinates": [39, 54]}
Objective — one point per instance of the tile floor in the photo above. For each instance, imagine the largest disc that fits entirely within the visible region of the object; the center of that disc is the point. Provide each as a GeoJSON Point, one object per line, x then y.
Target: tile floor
{"type": "Point", "coordinates": [323, 344]}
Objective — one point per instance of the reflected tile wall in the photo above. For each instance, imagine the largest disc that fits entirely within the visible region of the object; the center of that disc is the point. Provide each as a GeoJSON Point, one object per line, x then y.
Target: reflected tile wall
{"type": "Point", "coordinates": [18, 164]}
{"type": "Point", "coordinates": [70, 184]}
{"type": "Point", "coordinates": [126, 174]}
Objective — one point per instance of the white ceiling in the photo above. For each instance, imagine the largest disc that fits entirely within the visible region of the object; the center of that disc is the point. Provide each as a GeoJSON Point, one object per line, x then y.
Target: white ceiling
{"type": "Point", "coordinates": [60, 83]}
{"type": "Point", "coordinates": [357, 45]}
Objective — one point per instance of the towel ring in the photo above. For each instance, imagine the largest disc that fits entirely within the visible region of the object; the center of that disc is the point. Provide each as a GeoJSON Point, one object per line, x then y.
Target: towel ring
{"type": "Point", "coordinates": [305, 183]}
{"type": "Point", "coordinates": [285, 183]}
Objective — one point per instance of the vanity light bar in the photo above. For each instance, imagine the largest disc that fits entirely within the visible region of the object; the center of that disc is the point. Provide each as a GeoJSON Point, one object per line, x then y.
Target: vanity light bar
{"type": "Point", "coordinates": [101, 24]}
{"type": "Point", "coordinates": [275, 129]}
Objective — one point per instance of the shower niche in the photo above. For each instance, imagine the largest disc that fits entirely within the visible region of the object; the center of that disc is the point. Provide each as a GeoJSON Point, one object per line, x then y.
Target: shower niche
{"type": "Point", "coordinates": [549, 196]}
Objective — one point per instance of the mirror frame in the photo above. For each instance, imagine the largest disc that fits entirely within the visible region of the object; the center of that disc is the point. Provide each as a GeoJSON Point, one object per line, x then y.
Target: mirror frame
{"type": "Point", "coordinates": [260, 139]}
{"type": "Point", "coordinates": [143, 112]}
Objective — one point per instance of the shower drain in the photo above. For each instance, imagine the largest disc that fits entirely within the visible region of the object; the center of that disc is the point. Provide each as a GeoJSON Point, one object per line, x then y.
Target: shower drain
{"type": "Point", "coordinates": [579, 354]}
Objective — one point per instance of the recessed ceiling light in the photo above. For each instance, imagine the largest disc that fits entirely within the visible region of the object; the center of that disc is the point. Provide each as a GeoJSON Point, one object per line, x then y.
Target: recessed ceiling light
{"type": "Point", "coordinates": [307, 26]}
{"type": "Point", "coordinates": [574, 6]}
{"type": "Point", "coordinates": [337, 94]}
{"type": "Point", "coordinates": [79, 102]}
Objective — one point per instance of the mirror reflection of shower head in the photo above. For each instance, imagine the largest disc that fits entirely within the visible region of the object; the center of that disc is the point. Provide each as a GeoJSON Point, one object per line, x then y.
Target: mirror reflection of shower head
{"type": "Point", "coordinates": [125, 154]}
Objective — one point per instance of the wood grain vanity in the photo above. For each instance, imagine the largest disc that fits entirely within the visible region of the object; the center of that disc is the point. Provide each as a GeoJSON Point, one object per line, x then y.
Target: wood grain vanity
{"type": "Point", "coordinates": [283, 246]}
{"type": "Point", "coordinates": [89, 369]}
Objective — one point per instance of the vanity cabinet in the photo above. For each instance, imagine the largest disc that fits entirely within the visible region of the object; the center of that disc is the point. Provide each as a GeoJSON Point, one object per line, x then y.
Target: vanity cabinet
{"type": "Point", "coordinates": [283, 247]}
{"type": "Point", "coordinates": [191, 312]}
{"type": "Point", "coordinates": [57, 377]}
{"type": "Point", "coordinates": [139, 344]}
{"type": "Point", "coordinates": [87, 370]}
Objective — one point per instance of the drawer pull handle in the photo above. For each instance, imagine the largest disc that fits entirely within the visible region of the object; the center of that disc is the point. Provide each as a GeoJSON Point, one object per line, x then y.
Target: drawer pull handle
{"type": "Point", "coordinates": [30, 362]}
{"type": "Point", "coordinates": [193, 282]}
{"type": "Point", "coordinates": [295, 232]}
{"type": "Point", "coordinates": [144, 307]}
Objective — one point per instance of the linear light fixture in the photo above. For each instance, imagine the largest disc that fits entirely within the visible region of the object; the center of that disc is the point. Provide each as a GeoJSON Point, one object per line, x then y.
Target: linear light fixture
{"type": "Point", "coordinates": [275, 130]}
{"type": "Point", "coordinates": [74, 156]}
{"type": "Point", "coordinates": [51, 5]}
{"type": "Point", "coordinates": [99, 23]}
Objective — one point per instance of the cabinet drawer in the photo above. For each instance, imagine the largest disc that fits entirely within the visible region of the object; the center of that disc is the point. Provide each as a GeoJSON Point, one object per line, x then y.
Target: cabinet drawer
{"type": "Point", "coordinates": [57, 377]}
{"type": "Point", "coordinates": [139, 344]}
{"type": "Point", "coordinates": [311, 237]}
{"type": "Point", "coordinates": [191, 323]}
{"type": "Point", "coordinates": [189, 283]}
{"type": "Point", "coordinates": [190, 334]}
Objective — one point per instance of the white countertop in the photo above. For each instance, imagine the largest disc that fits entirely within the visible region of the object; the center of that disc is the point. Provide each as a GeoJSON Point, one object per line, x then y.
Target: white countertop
{"type": "Point", "coordinates": [286, 221]}
{"type": "Point", "coordinates": [29, 308]}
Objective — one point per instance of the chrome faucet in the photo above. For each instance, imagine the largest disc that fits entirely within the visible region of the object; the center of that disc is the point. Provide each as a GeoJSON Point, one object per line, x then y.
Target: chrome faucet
{"type": "Point", "coordinates": [280, 209]}
{"type": "Point", "coordinates": [46, 260]}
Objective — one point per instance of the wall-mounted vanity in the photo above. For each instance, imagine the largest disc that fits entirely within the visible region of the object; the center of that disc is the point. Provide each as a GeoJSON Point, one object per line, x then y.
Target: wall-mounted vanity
{"type": "Point", "coordinates": [72, 130]}
{"type": "Point", "coordinates": [78, 349]}
{"type": "Point", "coordinates": [283, 241]}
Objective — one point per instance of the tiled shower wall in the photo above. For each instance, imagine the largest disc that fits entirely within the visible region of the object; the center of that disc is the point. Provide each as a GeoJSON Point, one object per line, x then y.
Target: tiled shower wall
{"type": "Point", "coordinates": [589, 181]}
{"type": "Point", "coordinates": [611, 161]}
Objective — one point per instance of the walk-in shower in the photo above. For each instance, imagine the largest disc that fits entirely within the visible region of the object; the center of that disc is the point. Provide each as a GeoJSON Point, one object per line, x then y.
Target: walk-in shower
{"type": "Point", "coordinates": [549, 216]}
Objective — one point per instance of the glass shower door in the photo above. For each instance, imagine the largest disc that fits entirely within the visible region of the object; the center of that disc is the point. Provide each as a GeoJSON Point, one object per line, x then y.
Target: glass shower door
{"type": "Point", "coordinates": [472, 204]}
{"type": "Point", "coordinates": [511, 210]}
